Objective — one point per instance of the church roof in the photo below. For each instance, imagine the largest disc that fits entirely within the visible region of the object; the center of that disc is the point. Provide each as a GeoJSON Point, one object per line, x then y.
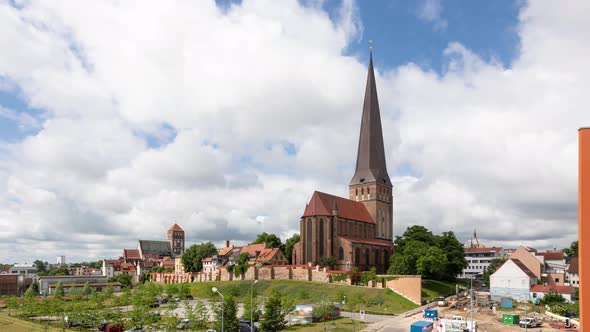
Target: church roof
{"type": "Point", "coordinates": [370, 162]}
{"type": "Point", "coordinates": [158, 248]}
{"type": "Point", "coordinates": [131, 254]}
{"type": "Point", "coordinates": [175, 228]}
{"type": "Point", "coordinates": [321, 205]}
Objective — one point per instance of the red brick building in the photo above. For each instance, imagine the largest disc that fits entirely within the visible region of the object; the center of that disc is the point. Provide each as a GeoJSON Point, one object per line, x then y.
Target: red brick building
{"type": "Point", "coordinates": [358, 231]}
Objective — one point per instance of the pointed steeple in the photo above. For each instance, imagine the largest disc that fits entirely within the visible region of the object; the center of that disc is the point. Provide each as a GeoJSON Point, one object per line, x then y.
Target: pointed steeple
{"type": "Point", "coordinates": [370, 162]}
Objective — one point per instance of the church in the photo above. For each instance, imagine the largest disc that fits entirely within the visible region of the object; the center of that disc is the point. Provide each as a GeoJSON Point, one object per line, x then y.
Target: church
{"type": "Point", "coordinates": [358, 231]}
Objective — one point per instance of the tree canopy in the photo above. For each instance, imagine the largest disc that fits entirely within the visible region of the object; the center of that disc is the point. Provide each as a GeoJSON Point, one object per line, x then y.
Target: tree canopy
{"type": "Point", "coordinates": [572, 251]}
{"type": "Point", "coordinates": [419, 251]}
{"type": "Point", "coordinates": [191, 258]}
{"type": "Point", "coordinates": [289, 244]}
{"type": "Point", "coordinates": [271, 240]}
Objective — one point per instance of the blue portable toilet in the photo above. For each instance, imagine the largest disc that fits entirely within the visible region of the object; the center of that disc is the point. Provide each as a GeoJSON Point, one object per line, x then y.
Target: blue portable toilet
{"type": "Point", "coordinates": [430, 313]}
{"type": "Point", "coordinates": [421, 326]}
{"type": "Point", "coordinates": [506, 303]}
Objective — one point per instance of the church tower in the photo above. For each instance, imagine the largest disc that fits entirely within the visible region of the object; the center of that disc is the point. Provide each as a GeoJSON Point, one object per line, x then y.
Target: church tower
{"type": "Point", "coordinates": [371, 184]}
{"type": "Point", "coordinates": [176, 239]}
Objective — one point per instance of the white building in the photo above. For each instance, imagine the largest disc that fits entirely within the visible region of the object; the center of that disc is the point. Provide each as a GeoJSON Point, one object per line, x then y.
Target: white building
{"type": "Point", "coordinates": [29, 271]}
{"type": "Point", "coordinates": [61, 260]}
{"type": "Point", "coordinates": [512, 280]}
{"type": "Point", "coordinates": [479, 257]}
{"type": "Point", "coordinates": [572, 278]}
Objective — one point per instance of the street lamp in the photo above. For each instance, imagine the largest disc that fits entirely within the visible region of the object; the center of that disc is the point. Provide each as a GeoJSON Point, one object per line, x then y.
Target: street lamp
{"type": "Point", "coordinates": [252, 305]}
{"type": "Point", "coordinates": [215, 290]}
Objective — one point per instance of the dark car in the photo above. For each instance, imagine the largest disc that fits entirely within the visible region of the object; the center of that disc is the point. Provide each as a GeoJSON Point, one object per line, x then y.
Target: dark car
{"type": "Point", "coordinates": [103, 326]}
{"type": "Point", "coordinates": [246, 327]}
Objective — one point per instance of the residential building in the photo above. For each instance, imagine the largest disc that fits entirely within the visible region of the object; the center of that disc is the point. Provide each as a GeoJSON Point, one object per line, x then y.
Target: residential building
{"type": "Point", "coordinates": [572, 277]}
{"type": "Point", "coordinates": [512, 280]}
{"type": "Point", "coordinates": [61, 260]}
{"type": "Point", "coordinates": [527, 256]}
{"type": "Point", "coordinates": [479, 257]}
{"type": "Point", "coordinates": [29, 271]}
{"type": "Point", "coordinates": [111, 267]}
{"type": "Point", "coordinates": [358, 231]}
{"type": "Point", "coordinates": [539, 291]}
{"type": "Point", "coordinates": [554, 267]}
{"type": "Point", "coordinates": [46, 281]}
{"type": "Point", "coordinates": [259, 254]}
{"type": "Point", "coordinates": [178, 266]}
{"type": "Point", "coordinates": [209, 264]}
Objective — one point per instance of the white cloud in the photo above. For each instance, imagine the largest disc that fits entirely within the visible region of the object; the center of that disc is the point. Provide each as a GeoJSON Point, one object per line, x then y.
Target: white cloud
{"type": "Point", "coordinates": [431, 11]}
{"type": "Point", "coordinates": [230, 93]}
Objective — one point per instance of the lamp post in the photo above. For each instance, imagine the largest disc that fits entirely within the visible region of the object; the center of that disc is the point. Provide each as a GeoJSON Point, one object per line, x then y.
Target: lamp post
{"type": "Point", "coordinates": [471, 302]}
{"type": "Point", "coordinates": [215, 290]}
{"type": "Point", "coordinates": [252, 305]}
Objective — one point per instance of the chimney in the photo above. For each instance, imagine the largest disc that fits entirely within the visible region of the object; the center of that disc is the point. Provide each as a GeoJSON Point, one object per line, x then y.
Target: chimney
{"type": "Point", "coordinates": [226, 243]}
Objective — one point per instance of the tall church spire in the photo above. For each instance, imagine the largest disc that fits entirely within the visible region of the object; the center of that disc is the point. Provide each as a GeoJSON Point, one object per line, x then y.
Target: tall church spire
{"type": "Point", "coordinates": [370, 162]}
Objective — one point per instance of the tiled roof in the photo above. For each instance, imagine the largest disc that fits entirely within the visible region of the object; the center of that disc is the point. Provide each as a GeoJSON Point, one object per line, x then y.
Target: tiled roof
{"type": "Point", "coordinates": [573, 268]}
{"type": "Point", "coordinates": [225, 251]}
{"type": "Point", "coordinates": [553, 289]}
{"type": "Point", "coordinates": [160, 248]}
{"type": "Point", "coordinates": [482, 250]}
{"type": "Point", "coordinates": [251, 249]}
{"type": "Point", "coordinates": [268, 254]}
{"type": "Point", "coordinates": [373, 242]}
{"type": "Point", "coordinates": [176, 228]}
{"type": "Point", "coordinates": [207, 259]}
{"type": "Point", "coordinates": [551, 255]}
{"type": "Point", "coordinates": [131, 254]}
{"type": "Point", "coordinates": [127, 267]}
{"type": "Point", "coordinates": [321, 204]}
{"type": "Point", "coordinates": [524, 268]}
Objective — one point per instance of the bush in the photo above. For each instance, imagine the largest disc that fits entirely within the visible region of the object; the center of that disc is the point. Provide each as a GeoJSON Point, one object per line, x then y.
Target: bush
{"type": "Point", "coordinates": [552, 298]}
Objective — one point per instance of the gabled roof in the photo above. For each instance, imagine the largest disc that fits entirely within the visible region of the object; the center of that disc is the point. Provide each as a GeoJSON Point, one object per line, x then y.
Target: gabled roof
{"type": "Point", "coordinates": [225, 251]}
{"type": "Point", "coordinates": [523, 268]}
{"type": "Point", "coordinates": [553, 289]}
{"type": "Point", "coordinates": [251, 249]}
{"type": "Point", "coordinates": [131, 254]}
{"type": "Point", "coordinates": [552, 255]}
{"type": "Point", "coordinates": [374, 242]}
{"type": "Point", "coordinates": [207, 259]}
{"type": "Point", "coordinates": [269, 254]}
{"type": "Point", "coordinates": [573, 267]}
{"type": "Point", "coordinates": [321, 204]}
{"type": "Point", "coordinates": [127, 267]}
{"type": "Point", "coordinates": [159, 248]}
{"type": "Point", "coordinates": [175, 228]}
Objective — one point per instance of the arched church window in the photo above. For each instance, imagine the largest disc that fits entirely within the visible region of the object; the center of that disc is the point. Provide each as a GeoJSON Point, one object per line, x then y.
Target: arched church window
{"type": "Point", "coordinates": [322, 240]}
{"type": "Point", "coordinates": [362, 191]}
{"type": "Point", "coordinates": [357, 256]}
{"type": "Point", "coordinates": [367, 257]}
{"type": "Point", "coordinates": [340, 253]}
{"type": "Point", "coordinates": [308, 241]}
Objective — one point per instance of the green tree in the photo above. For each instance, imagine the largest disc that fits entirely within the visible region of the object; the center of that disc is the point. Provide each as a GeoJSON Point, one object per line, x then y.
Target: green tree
{"type": "Point", "coordinates": [494, 265]}
{"type": "Point", "coordinates": [192, 257]}
{"type": "Point", "coordinates": [552, 298]}
{"type": "Point", "coordinates": [430, 262]}
{"type": "Point", "coordinates": [454, 253]}
{"type": "Point", "coordinates": [198, 315]}
{"type": "Point", "coordinates": [289, 245]}
{"type": "Point", "coordinates": [230, 317]}
{"type": "Point", "coordinates": [405, 258]}
{"type": "Point", "coordinates": [243, 264]}
{"type": "Point", "coordinates": [275, 309]}
{"type": "Point", "coordinates": [252, 307]}
{"type": "Point", "coordinates": [41, 267]}
{"type": "Point", "coordinates": [86, 290]}
{"type": "Point", "coordinates": [327, 261]}
{"type": "Point", "coordinates": [30, 293]}
{"type": "Point", "coordinates": [123, 279]}
{"type": "Point", "coordinates": [368, 276]}
{"type": "Point", "coordinates": [59, 290]}
{"type": "Point", "coordinates": [572, 251]}
{"type": "Point", "coordinates": [271, 240]}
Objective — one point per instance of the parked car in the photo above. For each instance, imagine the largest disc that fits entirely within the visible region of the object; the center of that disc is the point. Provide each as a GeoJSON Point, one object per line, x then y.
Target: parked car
{"type": "Point", "coordinates": [530, 322]}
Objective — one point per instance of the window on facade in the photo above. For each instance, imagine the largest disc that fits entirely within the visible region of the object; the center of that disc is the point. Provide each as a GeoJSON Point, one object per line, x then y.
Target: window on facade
{"type": "Point", "coordinates": [340, 253]}
{"type": "Point", "coordinates": [534, 295]}
{"type": "Point", "coordinates": [322, 238]}
{"type": "Point", "coordinates": [357, 256]}
{"type": "Point", "coordinates": [556, 279]}
{"type": "Point", "coordinates": [308, 241]}
{"type": "Point", "coordinates": [366, 256]}
{"type": "Point", "coordinates": [362, 191]}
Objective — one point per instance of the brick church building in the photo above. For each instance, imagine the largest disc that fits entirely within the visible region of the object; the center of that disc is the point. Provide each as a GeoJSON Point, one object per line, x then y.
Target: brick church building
{"type": "Point", "coordinates": [358, 231]}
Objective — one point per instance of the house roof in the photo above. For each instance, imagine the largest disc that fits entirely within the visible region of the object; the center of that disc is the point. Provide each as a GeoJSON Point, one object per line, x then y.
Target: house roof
{"type": "Point", "coordinates": [573, 267]}
{"type": "Point", "coordinates": [482, 250]}
{"type": "Point", "coordinates": [552, 255]}
{"type": "Point", "coordinates": [127, 267]}
{"type": "Point", "coordinates": [207, 259]}
{"type": "Point", "coordinates": [159, 248]}
{"type": "Point", "coordinates": [175, 228]}
{"type": "Point", "coordinates": [553, 289]}
{"type": "Point", "coordinates": [523, 268]}
{"type": "Point", "coordinates": [225, 251]}
{"type": "Point", "coordinates": [373, 242]}
{"type": "Point", "coordinates": [268, 254]}
{"type": "Point", "coordinates": [131, 254]}
{"type": "Point", "coordinates": [321, 204]}
{"type": "Point", "coordinates": [251, 249]}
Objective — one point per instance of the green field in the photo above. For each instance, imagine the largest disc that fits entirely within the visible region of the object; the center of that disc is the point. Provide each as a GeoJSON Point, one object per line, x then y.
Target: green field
{"type": "Point", "coordinates": [372, 300]}
{"type": "Point", "coordinates": [431, 289]}
{"type": "Point", "coordinates": [18, 325]}
{"type": "Point", "coordinates": [337, 325]}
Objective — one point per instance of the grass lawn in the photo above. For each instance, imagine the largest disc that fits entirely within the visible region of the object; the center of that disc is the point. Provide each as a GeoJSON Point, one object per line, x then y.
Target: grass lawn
{"type": "Point", "coordinates": [18, 325]}
{"type": "Point", "coordinates": [431, 289]}
{"type": "Point", "coordinates": [372, 300]}
{"type": "Point", "coordinates": [337, 325]}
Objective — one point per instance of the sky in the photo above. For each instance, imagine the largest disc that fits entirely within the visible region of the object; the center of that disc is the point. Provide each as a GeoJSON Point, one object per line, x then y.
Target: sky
{"type": "Point", "coordinates": [118, 119]}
